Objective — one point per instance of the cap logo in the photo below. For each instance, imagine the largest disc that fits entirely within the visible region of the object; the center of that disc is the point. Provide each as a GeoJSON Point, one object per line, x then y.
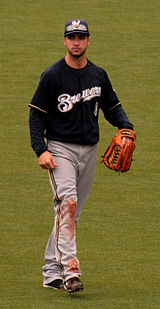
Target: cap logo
{"type": "Point", "coordinates": [76, 26]}
{"type": "Point", "coordinates": [76, 23]}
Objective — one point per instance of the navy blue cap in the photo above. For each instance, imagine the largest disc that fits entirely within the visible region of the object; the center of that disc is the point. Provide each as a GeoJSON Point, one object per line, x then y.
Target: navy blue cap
{"type": "Point", "coordinates": [76, 26]}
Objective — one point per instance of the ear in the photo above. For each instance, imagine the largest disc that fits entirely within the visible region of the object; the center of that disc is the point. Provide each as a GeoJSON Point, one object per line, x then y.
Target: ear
{"type": "Point", "coordinates": [64, 40]}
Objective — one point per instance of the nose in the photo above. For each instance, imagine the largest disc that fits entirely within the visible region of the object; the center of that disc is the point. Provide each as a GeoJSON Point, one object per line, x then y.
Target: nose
{"type": "Point", "coordinates": [76, 40]}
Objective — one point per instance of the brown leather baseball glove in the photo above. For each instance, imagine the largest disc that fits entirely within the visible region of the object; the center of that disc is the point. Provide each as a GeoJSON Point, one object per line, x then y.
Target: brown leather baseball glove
{"type": "Point", "coordinates": [118, 156]}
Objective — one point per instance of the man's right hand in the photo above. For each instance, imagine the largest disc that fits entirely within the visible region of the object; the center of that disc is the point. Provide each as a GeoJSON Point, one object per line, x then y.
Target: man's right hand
{"type": "Point", "coordinates": [47, 161]}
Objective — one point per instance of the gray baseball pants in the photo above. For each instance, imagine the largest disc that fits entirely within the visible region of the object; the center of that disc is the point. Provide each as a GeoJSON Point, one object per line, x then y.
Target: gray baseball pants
{"type": "Point", "coordinates": [71, 182]}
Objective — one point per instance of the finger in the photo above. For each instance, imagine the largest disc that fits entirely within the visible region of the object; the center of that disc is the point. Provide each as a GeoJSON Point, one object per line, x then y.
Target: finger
{"type": "Point", "coordinates": [46, 165]}
{"type": "Point", "coordinates": [54, 163]}
{"type": "Point", "coordinates": [123, 141]}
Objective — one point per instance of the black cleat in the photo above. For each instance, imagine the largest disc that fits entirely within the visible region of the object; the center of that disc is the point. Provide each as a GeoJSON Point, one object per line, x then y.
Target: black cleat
{"type": "Point", "coordinates": [55, 284]}
{"type": "Point", "coordinates": [73, 285]}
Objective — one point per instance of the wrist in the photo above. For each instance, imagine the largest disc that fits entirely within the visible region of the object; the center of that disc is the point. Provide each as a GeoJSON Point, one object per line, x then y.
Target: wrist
{"type": "Point", "coordinates": [39, 152]}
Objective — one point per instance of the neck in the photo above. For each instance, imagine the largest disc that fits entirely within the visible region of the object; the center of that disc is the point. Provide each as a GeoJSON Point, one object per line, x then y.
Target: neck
{"type": "Point", "coordinates": [76, 62]}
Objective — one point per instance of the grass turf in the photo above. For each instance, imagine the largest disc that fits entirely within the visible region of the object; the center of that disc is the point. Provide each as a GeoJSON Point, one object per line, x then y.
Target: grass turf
{"type": "Point", "coordinates": [118, 234]}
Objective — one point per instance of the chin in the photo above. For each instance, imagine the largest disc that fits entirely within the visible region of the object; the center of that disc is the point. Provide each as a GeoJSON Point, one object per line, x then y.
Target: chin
{"type": "Point", "coordinates": [77, 55]}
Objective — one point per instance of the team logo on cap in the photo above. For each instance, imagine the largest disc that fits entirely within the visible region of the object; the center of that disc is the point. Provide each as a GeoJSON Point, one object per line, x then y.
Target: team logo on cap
{"type": "Point", "coordinates": [76, 23]}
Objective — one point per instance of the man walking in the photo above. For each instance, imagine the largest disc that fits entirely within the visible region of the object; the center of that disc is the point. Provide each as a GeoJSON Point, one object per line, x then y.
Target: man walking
{"type": "Point", "coordinates": [64, 135]}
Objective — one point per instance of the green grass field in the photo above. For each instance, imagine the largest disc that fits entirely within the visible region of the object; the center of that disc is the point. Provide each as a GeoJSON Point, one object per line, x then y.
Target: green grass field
{"type": "Point", "coordinates": [118, 235]}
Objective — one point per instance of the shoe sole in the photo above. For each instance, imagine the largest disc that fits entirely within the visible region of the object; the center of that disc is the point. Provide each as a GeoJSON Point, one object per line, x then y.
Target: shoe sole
{"type": "Point", "coordinates": [73, 291]}
{"type": "Point", "coordinates": [51, 287]}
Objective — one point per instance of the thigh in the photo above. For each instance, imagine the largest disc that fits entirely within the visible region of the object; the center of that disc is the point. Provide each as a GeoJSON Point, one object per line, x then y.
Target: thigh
{"type": "Point", "coordinates": [65, 173]}
{"type": "Point", "coordinates": [65, 179]}
{"type": "Point", "coordinates": [86, 176]}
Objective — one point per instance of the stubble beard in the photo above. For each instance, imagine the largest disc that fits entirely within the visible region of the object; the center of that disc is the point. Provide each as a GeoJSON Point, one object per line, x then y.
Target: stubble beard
{"type": "Point", "coordinates": [77, 55]}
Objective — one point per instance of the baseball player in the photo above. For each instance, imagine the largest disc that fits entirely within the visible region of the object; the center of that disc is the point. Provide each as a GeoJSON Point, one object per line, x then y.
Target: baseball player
{"type": "Point", "coordinates": [64, 135]}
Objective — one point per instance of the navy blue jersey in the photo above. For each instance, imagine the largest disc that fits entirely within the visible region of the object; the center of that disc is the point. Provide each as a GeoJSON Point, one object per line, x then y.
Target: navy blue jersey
{"type": "Point", "coordinates": [66, 105]}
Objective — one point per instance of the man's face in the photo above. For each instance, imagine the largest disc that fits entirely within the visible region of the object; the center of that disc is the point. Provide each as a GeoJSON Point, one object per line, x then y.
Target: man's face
{"type": "Point", "coordinates": [76, 44]}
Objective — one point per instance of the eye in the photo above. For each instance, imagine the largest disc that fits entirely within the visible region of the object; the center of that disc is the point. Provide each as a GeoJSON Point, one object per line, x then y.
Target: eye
{"type": "Point", "coordinates": [71, 37]}
{"type": "Point", "coordinates": [82, 36]}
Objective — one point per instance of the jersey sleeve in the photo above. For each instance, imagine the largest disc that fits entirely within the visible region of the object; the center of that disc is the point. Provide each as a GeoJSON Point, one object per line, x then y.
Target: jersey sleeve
{"type": "Point", "coordinates": [112, 108]}
{"type": "Point", "coordinates": [42, 95]}
{"type": "Point", "coordinates": [109, 96]}
{"type": "Point", "coordinates": [118, 118]}
{"type": "Point", "coordinates": [37, 123]}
